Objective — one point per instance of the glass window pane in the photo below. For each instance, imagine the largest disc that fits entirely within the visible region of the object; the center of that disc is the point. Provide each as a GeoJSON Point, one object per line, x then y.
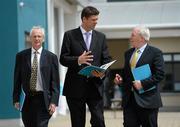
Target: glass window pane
{"type": "Point", "coordinates": [177, 86]}
{"type": "Point", "coordinates": [177, 57]}
{"type": "Point", "coordinates": [177, 72]}
{"type": "Point", "coordinates": [167, 83]}
{"type": "Point", "coordinates": [171, 82]}
{"type": "Point", "coordinates": [167, 57]}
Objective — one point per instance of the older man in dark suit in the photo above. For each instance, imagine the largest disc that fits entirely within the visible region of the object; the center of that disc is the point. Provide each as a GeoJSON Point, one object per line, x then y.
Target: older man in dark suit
{"type": "Point", "coordinates": [36, 73]}
{"type": "Point", "coordinates": [81, 47]}
{"type": "Point", "coordinates": [141, 109]}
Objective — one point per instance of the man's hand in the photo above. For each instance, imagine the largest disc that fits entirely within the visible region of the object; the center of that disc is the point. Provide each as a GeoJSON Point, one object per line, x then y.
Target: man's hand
{"type": "Point", "coordinates": [17, 105]}
{"type": "Point", "coordinates": [137, 84]}
{"type": "Point", "coordinates": [118, 79]}
{"type": "Point", "coordinates": [97, 73]}
{"type": "Point", "coordinates": [85, 58]}
{"type": "Point", "coordinates": [52, 108]}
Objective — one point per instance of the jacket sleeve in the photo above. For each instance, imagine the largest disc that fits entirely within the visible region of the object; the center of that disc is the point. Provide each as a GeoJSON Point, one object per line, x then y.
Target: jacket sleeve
{"type": "Point", "coordinates": [17, 79]}
{"type": "Point", "coordinates": [66, 58]}
{"type": "Point", "coordinates": [157, 69]}
{"type": "Point", "coordinates": [55, 88]}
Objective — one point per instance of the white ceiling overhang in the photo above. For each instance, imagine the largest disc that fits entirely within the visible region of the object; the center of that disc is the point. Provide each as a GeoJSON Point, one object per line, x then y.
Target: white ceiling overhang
{"type": "Point", "coordinates": [124, 31]}
{"type": "Point", "coordinates": [117, 19]}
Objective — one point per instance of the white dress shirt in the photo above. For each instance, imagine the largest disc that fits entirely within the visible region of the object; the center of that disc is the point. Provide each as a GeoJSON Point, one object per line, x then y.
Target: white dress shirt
{"type": "Point", "coordinates": [84, 34]}
{"type": "Point", "coordinates": [39, 86]}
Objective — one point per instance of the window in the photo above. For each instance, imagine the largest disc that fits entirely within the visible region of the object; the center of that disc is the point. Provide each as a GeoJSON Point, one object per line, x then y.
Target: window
{"type": "Point", "coordinates": [171, 82]}
{"type": "Point", "coordinates": [27, 39]}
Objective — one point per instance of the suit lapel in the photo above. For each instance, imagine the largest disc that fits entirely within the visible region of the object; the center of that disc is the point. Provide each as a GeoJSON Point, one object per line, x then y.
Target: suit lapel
{"type": "Point", "coordinates": [143, 56]}
{"type": "Point", "coordinates": [82, 42]}
{"type": "Point", "coordinates": [80, 38]}
{"type": "Point", "coordinates": [93, 41]}
{"type": "Point", "coordinates": [28, 57]}
{"type": "Point", "coordinates": [129, 56]}
{"type": "Point", "coordinates": [42, 58]}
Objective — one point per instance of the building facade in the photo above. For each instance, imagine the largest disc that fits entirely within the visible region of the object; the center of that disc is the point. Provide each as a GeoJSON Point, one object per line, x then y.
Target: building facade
{"type": "Point", "coordinates": [116, 20]}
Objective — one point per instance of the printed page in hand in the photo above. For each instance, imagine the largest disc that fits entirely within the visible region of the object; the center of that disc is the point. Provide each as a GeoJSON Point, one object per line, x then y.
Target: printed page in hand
{"type": "Point", "coordinates": [86, 71]}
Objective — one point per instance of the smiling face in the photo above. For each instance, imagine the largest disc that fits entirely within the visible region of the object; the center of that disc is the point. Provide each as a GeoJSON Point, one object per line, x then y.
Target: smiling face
{"type": "Point", "coordinates": [37, 38]}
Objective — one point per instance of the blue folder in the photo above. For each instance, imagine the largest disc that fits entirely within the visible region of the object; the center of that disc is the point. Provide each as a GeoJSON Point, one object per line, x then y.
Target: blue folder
{"type": "Point", "coordinates": [22, 99]}
{"type": "Point", "coordinates": [87, 71]}
{"type": "Point", "coordinates": [141, 73]}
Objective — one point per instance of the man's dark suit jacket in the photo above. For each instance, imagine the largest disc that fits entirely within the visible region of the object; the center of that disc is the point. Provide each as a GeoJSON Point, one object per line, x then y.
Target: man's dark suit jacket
{"type": "Point", "coordinates": [49, 74]}
{"type": "Point", "coordinates": [73, 46]}
{"type": "Point", "coordinates": [149, 99]}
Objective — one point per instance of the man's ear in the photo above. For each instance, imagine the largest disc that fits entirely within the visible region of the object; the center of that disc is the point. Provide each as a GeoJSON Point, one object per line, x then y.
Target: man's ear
{"type": "Point", "coordinates": [84, 19]}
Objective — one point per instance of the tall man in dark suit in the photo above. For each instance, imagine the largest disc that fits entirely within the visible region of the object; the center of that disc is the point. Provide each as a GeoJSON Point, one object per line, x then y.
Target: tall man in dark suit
{"type": "Point", "coordinates": [79, 50]}
{"type": "Point", "coordinates": [141, 109]}
{"type": "Point", "coordinates": [36, 72]}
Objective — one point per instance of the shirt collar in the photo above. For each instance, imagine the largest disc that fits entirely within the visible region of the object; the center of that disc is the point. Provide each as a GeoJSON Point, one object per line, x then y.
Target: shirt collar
{"type": "Point", "coordinates": [39, 50]}
{"type": "Point", "coordinates": [84, 31]}
{"type": "Point", "coordinates": [142, 48]}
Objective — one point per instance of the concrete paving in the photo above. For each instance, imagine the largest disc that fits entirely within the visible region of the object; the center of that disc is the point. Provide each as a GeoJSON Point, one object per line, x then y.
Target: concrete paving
{"type": "Point", "coordinates": [115, 119]}
{"type": "Point", "coordinates": [112, 119]}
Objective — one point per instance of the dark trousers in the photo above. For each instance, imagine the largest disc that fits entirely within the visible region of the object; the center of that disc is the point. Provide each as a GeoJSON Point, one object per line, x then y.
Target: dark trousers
{"type": "Point", "coordinates": [34, 112]}
{"type": "Point", "coordinates": [136, 116]}
{"type": "Point", "coordinates": [77, 109]}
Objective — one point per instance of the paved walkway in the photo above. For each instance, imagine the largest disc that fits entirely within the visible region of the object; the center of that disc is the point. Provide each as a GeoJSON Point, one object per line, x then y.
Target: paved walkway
{"type": "Point", "coordinates": [166, 119]}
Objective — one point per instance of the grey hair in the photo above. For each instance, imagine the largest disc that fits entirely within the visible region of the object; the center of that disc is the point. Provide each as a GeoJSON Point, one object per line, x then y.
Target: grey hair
{"type": "Point", "coordinates": [38, 27]}
{"type": "Point", "coordinates": [144, 32]}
